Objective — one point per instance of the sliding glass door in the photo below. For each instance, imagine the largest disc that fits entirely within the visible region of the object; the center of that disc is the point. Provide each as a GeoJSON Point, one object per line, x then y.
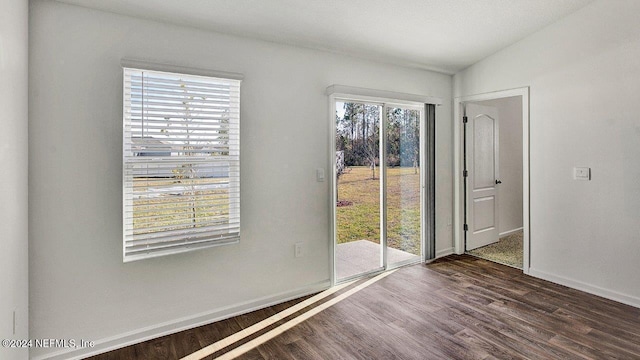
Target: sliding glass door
{"type": "Point", "coordinates": [358, 186]}
{"type": "Point", "coordinates": [378, 186]}
{"type": "Point", "coordinates": [403, 184]}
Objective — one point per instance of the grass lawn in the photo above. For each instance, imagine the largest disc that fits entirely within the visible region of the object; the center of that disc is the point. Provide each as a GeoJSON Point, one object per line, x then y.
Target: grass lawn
{"type": "Point", "coordinates": [179, 204]}
{"type": "Point", "coordinates": [361, 220]}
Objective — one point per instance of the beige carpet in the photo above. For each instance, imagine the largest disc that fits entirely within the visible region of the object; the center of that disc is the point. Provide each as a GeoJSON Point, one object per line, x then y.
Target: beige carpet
{"type": "Point", "coordinates": [507, 251]}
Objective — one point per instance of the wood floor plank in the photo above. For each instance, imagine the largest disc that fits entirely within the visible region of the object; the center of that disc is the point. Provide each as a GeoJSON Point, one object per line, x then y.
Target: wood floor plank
{"type": "Point", "coordinates": [486, 348]}
{"type": "Point", "coordinates": [415, 324]}
{"type": "Point", "coordinates": [626, 333]}
{"type": "Point", "coordinates": [458, 307]}
{"type": "Point", "coordinates": [250, 355]}
{"type": "Point", "coordinates": [400, 328]}
{"type": "Point", "coordinates": [186, 342]}
{"type": "Point", "coordinates": [322, 339]}
{"type": "Point", "coordinates": [521, 338]}
{"type": "Point", "coordinates": [301, 350]}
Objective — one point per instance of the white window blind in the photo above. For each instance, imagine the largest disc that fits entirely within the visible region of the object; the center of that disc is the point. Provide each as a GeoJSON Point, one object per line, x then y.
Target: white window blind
{"type": "Point", "coordinates": [181, 162]}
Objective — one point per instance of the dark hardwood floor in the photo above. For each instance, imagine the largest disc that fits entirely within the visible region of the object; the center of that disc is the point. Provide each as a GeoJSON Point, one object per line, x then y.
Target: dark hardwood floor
{"type": "Point", "coordinates": [459, 307]}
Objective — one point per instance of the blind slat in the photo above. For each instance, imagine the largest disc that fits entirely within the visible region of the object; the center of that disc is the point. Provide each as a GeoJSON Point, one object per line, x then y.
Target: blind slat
{"type": "Point", "coordinates": [150, 238]}
{"type": "Point", "coordinates": [142, 252]}
{"type": "Point", "coordinates": [135, 161]}
{"type": "Point", "coordinates": [179, 227]}
{"type": "Point", "coordinates": [150, 200]}
{"type": "Point", "coordinates": [186, 97]}
{"type": "Point", "coordinates": [153, 181]}
{"type": "Point", "coordinates": [151, 120]}
{"type": "Point", "coordinates": [192, 118]}
{"type": "Point", "coordinates": [153, 85]}
{"type": "Point", "coordinates": [173, 125]}
{"type": "Point", "coordinates": [153, 102]}
{"type": "Point", "coordinates": [160, 78]}
{"type": "Point", "coordinates": [178, 213]}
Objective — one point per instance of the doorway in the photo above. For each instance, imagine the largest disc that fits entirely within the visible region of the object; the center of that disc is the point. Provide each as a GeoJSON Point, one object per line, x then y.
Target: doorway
{"type": "Point", "coordinates": [383, 186]}
{"type": "Point", "coordinates": [491, 170]}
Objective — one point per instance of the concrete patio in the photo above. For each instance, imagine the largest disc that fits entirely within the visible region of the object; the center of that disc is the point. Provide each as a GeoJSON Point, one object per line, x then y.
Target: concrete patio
{"type": "Point", "coordinates": [357, 257]}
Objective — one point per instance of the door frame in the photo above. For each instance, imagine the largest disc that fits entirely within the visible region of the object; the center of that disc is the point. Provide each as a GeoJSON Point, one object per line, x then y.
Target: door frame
{"type": "Point", "coordinates": [458, 189]}
{"type": "Point", "coordinates": [385, 98]}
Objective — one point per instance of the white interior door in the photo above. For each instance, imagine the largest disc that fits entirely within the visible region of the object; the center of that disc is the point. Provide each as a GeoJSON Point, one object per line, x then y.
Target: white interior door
{"type": "Point", "coordinates": [482, 175]}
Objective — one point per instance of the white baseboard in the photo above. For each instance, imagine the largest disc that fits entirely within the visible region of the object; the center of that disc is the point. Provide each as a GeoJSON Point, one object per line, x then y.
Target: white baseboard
{"type": "Point", "coordinates": [591, 289]}
{"type": "Point", "coordinates": [509, 232]}
{"type": "Point", "coordinates": [170, 327]}
{"type": "Point", "coordinates": [444, 252]}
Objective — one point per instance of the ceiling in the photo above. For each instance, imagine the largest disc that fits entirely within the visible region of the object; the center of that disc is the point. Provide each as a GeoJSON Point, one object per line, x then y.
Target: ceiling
{"type": "Point", "coordinates": [440, 35]}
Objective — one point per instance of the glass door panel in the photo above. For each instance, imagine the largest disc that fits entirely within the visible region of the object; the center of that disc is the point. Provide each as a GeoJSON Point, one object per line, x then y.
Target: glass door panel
{"type": "Point", "coordinates": [403, 185]}
{"type": "Point", "coordinates": [378, 204]}
{"type": "Point", "coordinates": [358, 236]}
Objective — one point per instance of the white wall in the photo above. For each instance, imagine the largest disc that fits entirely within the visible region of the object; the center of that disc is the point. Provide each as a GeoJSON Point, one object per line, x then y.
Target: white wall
{"type": "Point", "coordinates": [510, 161]}
{"type": "Point", "coordinates": [584, 83]}
{"type": "Point", "coordinates": [14, 287]}
{"type": "Point", "coordinates": [79, 286]}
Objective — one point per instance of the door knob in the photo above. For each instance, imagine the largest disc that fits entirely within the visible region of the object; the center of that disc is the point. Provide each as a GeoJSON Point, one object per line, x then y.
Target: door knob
{"type": "Point", "coordinates": [498, 182]}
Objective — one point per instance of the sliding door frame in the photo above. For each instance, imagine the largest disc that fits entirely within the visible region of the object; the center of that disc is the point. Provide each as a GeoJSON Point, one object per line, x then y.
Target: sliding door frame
{"type": "Point", "coordinates": [427, 176]}
{"type": "Point", "coordinates": [383, 170]}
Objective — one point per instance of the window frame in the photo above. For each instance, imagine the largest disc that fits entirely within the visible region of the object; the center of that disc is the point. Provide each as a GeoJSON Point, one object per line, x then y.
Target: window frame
{"type": "Point", "coordinates": [204, 237]}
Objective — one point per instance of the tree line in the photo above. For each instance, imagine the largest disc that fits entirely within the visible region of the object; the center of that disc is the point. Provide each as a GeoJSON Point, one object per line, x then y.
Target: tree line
{"type": "Point", "coordinates": [358, 135]}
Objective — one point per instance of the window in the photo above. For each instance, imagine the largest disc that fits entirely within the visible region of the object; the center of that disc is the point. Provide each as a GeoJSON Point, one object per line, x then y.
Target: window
{"type": "Point", "coordinates": [181, 162]}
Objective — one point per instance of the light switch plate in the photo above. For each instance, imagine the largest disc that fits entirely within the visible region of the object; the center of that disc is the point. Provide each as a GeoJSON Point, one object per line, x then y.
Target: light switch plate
{"type": "Point", "coordinates": [320, 174]}
{"type": "Point", "coordinates": [582, 173]}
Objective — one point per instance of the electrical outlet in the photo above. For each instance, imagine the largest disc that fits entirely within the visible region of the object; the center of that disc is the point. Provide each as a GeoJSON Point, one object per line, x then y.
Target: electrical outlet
{"type": "Point", "coordinates": [297, 248]}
